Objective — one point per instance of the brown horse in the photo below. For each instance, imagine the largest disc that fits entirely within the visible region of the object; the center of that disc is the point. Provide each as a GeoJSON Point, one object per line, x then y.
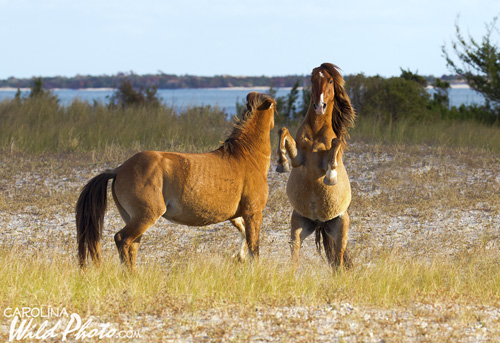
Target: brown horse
{"type": "Point", "coordinates": [318, 187]}
{"type": "Point", "coordinates": [229, 183]}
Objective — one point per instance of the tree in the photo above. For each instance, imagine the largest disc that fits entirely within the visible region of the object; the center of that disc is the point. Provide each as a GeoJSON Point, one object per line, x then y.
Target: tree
{"type": "Point", "coordinates": [441, 95]}
{"type": "Point", "coordinates": [37, 91]}
{"type": "Point", "coordinates": [306, 100]}
{"type": "Point", "coordinates": [289, 108]}
{"type": "Point", "coordinates": [18, 95]}
{"type": "Point", "coordinates": [126, 95]}
{"type": "Point", "coordinates": [389, 99]}
{"type": "Point", "coordinates": [410, 76]}
{"type": "Point", "coordinates": [479, 62]}
{"type": "Point", "coordinates": [279, 99]}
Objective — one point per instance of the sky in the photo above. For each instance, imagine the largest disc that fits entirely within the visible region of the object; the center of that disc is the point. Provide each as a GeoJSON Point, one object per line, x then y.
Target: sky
{"type": "Point", "coordinates": [232, 37]}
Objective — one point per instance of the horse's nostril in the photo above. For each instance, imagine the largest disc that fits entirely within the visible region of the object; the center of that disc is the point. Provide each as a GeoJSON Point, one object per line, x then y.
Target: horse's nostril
{"type": "Point", "coordinates": [324, 106]}
{"type": "Point", "coordinates": [315, 107]}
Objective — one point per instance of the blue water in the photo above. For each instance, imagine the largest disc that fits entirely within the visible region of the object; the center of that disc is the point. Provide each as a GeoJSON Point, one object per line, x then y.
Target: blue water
{"type": "Point", "coordinates": [223, 97]}
{"type": "Point", "coordinates": [463, 96]}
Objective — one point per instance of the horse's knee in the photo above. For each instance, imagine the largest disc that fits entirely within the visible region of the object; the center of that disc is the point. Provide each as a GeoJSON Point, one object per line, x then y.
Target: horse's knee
{"type": "Point", "coordinates": [282, 131]}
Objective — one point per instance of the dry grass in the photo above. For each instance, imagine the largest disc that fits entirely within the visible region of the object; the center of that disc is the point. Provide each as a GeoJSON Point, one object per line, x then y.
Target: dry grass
{"type": "Point", "coordinates": [444, 133]}
{"type": "Point", "coordinates": [195, 281]}
{"type": "Point", "coordinates": [424, 238]}
{"type": "Point", "coordinates": [40, 125]}
{"type": "Point", "coordinates": [424, 235]}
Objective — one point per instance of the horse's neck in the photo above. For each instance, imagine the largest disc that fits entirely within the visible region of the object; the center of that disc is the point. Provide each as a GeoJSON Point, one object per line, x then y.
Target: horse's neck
{"type": "Point", "coordinates": [317, 122]}
{"type": "Point", "coordinates": [258, 139]}
{"type": "Point", "coordinates": [262, 142]}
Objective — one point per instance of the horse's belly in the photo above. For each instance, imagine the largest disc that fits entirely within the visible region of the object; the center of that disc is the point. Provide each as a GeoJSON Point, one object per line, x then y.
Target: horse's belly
{"type": "Point", "coordinates": [312, 199]}
{"type": "Point", "coordinates": [198, 210]}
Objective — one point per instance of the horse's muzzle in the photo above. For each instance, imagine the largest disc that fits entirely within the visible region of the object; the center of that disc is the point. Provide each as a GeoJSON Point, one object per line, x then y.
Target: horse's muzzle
{"type": "Point", "coordinates": [320, 109]}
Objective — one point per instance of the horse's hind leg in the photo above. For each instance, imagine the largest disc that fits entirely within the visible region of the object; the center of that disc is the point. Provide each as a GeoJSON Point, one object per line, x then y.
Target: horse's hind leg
{"type": "Point", "coordinates": [128, 239]}
{"type": "Point", "coordinates": [301, 228]}
{"type": "Point", "coordinates": [123, 213]}
{"type": "Point", "coordinates": [240, 225]}
{"type": "Point", "coordinates": [338, 229]}
{"type": "Point", "coordinates": [132, 251]}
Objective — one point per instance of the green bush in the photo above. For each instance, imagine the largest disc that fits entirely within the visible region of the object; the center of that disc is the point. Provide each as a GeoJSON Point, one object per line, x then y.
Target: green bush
{"type": "Point", "coordinates": [388, 99]}
{"type": "Point", "coordinates": [126, 95]}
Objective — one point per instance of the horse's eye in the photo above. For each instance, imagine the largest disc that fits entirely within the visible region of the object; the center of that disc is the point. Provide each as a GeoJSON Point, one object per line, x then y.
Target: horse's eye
{"type": "Point", "coordinates": [331, 81]}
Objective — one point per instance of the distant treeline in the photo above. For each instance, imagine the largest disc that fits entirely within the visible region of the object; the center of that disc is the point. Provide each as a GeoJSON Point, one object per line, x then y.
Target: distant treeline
{"type": "Point", "coordinates": [167, 81]}
{"type": "Point", "coordinates": [161, 81]}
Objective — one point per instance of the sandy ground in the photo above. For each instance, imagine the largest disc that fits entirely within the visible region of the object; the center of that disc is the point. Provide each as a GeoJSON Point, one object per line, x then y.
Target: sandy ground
{"type": "Point", "coordinates": [429, 202]}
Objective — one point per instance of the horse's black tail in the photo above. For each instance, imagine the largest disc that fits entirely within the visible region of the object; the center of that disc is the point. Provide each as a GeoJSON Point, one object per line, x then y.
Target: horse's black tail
{"type": "Point", "coordinates": [329, 246]}
{"type": "Point", "coordinates": [90, 210]}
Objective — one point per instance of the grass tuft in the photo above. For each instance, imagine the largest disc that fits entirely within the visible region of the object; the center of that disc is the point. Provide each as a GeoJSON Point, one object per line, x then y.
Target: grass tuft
{"type": "Point", "coordinates": [41, 125]}
{"type": "Point", "coordinates": [198, 282]}
{"type": "Point", "coordinates": [452, 133]}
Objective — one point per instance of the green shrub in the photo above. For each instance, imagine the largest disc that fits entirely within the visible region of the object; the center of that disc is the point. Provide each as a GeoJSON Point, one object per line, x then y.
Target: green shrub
{"type": "Point", "coordinates": [126, 95]}
{"type": "Point", "coordinates": [388, 99]}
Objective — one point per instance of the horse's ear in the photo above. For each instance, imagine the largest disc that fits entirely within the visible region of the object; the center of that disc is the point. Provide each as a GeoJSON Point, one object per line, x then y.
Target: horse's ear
{"type": "Point", "coordinates": [267, 104]}
{"type": "Point", "coordinates": [251, 96]}
{"type": "Point", "coordinates": [260, 101]}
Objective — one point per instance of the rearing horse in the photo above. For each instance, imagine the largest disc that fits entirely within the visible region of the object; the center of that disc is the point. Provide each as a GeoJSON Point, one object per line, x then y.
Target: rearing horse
{"type": "Point", "coordinates": [318, 187]}
{"type": "Point", "coordinates": [229, 183]}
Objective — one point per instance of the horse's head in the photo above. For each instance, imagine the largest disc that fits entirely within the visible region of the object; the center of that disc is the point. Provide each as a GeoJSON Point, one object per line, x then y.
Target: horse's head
{"type": "Point", "coordinates": [261, 102]}
{"type": "Point", "coordinates": [328, 91]}
{"type": "Point", "coordinates": [322, 90]}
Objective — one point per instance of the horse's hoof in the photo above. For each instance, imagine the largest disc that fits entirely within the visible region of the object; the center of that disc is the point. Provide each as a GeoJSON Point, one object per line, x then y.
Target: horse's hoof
{"type": "Point", "coordinates": [330, 182]}
{"type": "Point", "coordinates": [283, 168]}
{"type": "Point", "coordinates": [330, 178]}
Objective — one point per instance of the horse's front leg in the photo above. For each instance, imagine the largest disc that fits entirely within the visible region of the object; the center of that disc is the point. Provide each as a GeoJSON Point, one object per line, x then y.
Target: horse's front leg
{"type": "Point", "coordinates": [287, 145]}
{"type": "Point", "coordinates": [331, 162]}
{"type": "Point", "coordinates": [252, 232]}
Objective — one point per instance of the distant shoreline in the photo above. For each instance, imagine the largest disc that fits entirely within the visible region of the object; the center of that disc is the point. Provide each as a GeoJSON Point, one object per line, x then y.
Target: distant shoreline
{"type": "Point", "coordinates": [461, 85]}
{"type": "Point", "coordinates": [166, 81]}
